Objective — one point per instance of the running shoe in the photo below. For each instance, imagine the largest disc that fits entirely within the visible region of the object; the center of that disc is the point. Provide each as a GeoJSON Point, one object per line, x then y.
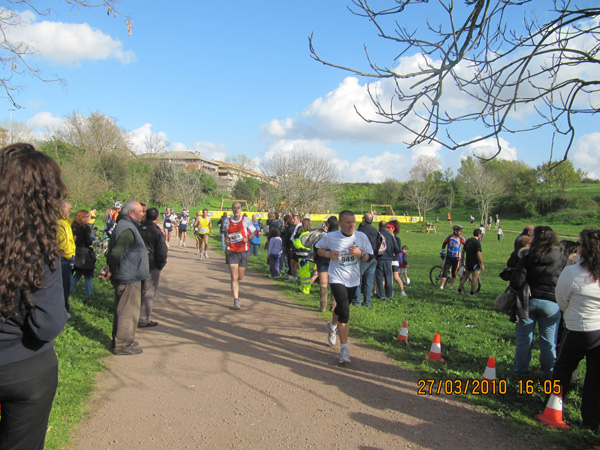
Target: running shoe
{"type": "Point", "coordinates": [197, 252]}
{"type": "Point", "coordinates": [331, 334]}
{"type": "Point", "coordinates": [206, 255]}
{"type": "Point", "coordinates": [200, 257]}
{"type": "Point", "coordinates": [403, 294]}
{"type": "Point", "coordinates": [236, 304]}
{"type": "Point", "coordinates": [344, 355]}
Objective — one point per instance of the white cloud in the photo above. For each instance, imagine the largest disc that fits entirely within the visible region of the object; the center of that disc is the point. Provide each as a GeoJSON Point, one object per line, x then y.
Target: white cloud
{"type": "Point", "coordinates": [375, 169]}
{"type": "Point", "coordinates": [585, 154]}
{"type": "Point", "coordinates": [45, 121]}
{"type": "Point", "coordinates": [488, 148]}
{"type": "Point", "coordinates": [67, 43]}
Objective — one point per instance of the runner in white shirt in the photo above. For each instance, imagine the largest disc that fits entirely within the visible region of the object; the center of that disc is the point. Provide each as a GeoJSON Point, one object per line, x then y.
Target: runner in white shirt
{"type": "Point", "coordinates": [345, 248]}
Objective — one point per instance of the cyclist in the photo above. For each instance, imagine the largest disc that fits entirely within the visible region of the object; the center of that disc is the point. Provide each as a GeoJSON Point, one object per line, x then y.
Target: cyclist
{"type": "Point", "coordinates": [453, 243]}
{"type": "Point", "coordinates": [111, 221]}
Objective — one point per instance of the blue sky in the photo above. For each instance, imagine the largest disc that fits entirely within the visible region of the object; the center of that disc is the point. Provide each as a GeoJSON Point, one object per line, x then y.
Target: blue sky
{"type": "Point", "coordinates": [228, 78]}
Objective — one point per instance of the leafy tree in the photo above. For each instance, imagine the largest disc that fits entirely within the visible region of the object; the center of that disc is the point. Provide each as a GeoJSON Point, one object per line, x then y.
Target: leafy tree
{"type": "Point", "coordinates": [481, 184]}
{"type": "Point", "coordinates": [388, 192]}
{"type": "Point", "coordinates": [245, 189]}
{"type": "Point", "coordinates": [422, 189]}
{"type": "Point", "coordinates": [498, 65]}
{"type": "Point", "coordinates": [302, 180]}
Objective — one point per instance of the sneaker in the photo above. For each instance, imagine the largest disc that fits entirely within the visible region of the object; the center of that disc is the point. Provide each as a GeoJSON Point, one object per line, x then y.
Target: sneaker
{"type": "Point", "coordinates": [197, 252]}
{"type": "Point", "coordinates": [184, 244]}
{"type": "Point", "coordinates": [331, 334]}
{"type": "Point", "coordinates": [451, 287]}
{"type": "Point", "coordinates": [206, 255]}
{"type": "Point", "coordinates": [403, 294]}
{"type": "Point", "coordinates": [344, 355]}
{"type": "Point", "coordinates": [472, 295]}
{"type": "Point", "coordinates": [236, 304]}
{"type": "Point", "coordinates": [442, 288]}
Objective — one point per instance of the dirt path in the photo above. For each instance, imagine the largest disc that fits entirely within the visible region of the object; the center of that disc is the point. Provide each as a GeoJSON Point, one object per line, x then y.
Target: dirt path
{"type": "Point", "coordinates": [262, 377]}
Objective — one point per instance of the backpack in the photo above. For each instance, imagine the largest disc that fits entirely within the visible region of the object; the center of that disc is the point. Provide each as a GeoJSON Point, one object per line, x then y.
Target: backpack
{"type": "Point", "coordinates": [380, 245]}
{"type": "Point", "coordinates": [309, 241]}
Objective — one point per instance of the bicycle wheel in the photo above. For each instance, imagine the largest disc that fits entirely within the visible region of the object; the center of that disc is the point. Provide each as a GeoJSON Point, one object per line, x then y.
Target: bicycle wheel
{"type": "Point", "coordinates": [435, 275]}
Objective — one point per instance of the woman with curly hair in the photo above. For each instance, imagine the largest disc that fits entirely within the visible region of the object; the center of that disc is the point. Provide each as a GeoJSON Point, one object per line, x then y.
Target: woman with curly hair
{"type": "Point", "coordinates": [578, 295]}
{"type": "Point", "coordinates": [84, 256]}
{"type": "Point", "coordinates": [32, 306]}
{"type": "Point", "coordinates": [539, 266]}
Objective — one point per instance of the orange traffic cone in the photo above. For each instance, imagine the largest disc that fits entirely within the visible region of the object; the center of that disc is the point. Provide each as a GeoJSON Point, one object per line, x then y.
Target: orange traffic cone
{"type": "Point", "coordinates": [403, 336]}
{"type": "Point", "coordinates": [490, 370]}
{"type": "Point", "coordinates": [435, 354]}
{"type": "Point", "coordinates": [553, 413]}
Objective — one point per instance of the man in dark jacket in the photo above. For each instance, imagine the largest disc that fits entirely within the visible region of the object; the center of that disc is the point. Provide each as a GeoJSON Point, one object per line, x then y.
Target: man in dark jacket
{"type": "Point", "coordinates": [154, 239]}
{"type": "Point", "coordinates": [367, 269]}
{"type": "Point", "coordinates": [384, 265]}
{"type": "Point", "coordinates": [127, 260]}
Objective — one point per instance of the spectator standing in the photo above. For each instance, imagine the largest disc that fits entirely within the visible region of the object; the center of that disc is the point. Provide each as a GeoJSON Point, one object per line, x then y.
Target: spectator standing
{"type": "Point", "coordinates": [84, 261]}
{"type": "Point", "coordinates": [578, 296]}
{"type": "Point", "coordinates": [540, 267]}
{"type": "Point", "coordinates": [497, 221]}
{"type": "Point", "coordinates": [127, 259]}
{"type": "Point", "coordinates": [155, 243]}
{"type": "Point", "coordinates": [403, 264]}
{"type": "Point", "coordinates": [472, 261]}
{"type": "Point", "coordinates": [255, 242]}
{"type": "Point", "coordinates": [222, 232]}
{"type": "Point", "coordinates": [500, 233]}
{"type": "Point", "coordinates": [367, 268]}
{"type": "Point", "coordinates": [301, 253]}
{"type": "Point", "coordinates": [482, 228]}
{"type": "Point", "coordinates": [32, 304]}
{"type": "Point", "coordinates": [66, 243]}
{"type": "Point", "coordinates": [383, 272]}
{"type": "Point", "coordinates": [274, 251]}
{"type": "Point", "coordinates": [527, 231]}
{"type": "Point", "coordinates": [394, 226]}
{"type": "Point", "coordinates": [489, 223]}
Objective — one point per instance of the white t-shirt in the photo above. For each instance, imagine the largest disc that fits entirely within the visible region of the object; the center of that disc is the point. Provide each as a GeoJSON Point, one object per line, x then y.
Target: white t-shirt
{"type": "Point", "coordinates": [579, 299]}
{"type": "Point", "coordinates": [346, 269]}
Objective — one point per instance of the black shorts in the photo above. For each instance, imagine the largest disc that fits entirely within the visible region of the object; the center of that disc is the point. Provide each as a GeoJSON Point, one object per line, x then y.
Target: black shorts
{"type": "Point", "coordinates": [450, 263]}
{"type": "Point", "coordinates": [472, 267]}
{"type": "Point", "coordinates": [239, 258]}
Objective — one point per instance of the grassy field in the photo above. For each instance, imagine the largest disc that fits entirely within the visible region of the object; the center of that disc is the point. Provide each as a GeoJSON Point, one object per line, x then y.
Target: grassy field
{"type": "Point", "coordinates": [471, 332]}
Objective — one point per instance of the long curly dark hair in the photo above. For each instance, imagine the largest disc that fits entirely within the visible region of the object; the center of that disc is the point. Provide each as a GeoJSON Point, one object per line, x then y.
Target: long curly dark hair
{"type": "Point", "coordinates": [589, 240]}
{"type": "Point", "coordinates": [31, 190]}
{"type": "Point", "coordinates": [544, 241]}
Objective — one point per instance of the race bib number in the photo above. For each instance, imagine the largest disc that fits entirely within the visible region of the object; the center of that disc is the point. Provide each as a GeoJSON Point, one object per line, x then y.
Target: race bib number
{"type": "Point", "coordinates": [236, 237]}
{"type": "Point", "coordinates": [168, 225]}
{"type": "Point", "coordinates": [347, 260]}
{"type": "Point", "coordinates": [205, 230]}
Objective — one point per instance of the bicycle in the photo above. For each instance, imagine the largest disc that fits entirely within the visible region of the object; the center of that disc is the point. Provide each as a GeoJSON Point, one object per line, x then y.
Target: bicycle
{"type": "Point", "coordinates": [100, 244]}
{"type": "Point", "coordinates": [435, 277]}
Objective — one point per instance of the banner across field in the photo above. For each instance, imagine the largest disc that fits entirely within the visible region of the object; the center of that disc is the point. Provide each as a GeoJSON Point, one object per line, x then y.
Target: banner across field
{"type": "Point", "coordinates": [323, 217]}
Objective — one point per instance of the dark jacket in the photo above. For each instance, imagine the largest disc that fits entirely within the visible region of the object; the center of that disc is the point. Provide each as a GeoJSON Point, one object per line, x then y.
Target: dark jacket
{"type": "Point", "coordinates": [154, 239]}
{"type": "Point", "coordinates": [541, 276]}
{"type": "Point", "coordinates": [132, 265]}
{"type": "Point", "coordinates": [371, 233]}
{"type": "Point", "coordinates": [30, 332]}
{"type": "Point", "coordinates": [392, 249]}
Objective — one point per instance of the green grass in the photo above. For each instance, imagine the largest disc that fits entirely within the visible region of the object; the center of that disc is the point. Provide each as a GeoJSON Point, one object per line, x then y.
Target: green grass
{"type": "Point", "coordinates": [471, 331]}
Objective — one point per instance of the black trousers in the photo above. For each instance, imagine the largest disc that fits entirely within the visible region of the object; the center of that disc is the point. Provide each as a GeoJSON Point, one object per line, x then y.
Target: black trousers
{"type": "Point", "coordinates": [27, 390]}
{"type": "Point", "coordinates": [575, 346]}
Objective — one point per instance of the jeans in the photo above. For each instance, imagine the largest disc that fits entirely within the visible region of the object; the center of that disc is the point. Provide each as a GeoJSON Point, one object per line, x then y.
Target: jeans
{"type": "Point", "coordinates": [222, 241]}
{"type": "Point", "coordinates": [66, 267]}
{"type": "Point", "coordinates": [384, 272]}
{"type": "Point", "coordinates": [89, 283]}
{"type": "Point", "coordinates": [254, 249]}
{"type": "Point", "coordinates": [367, 275]}
{"type": "Point", "coordinates": [547, 314]}
{"type": "Point", "coordinates": [149, 288]}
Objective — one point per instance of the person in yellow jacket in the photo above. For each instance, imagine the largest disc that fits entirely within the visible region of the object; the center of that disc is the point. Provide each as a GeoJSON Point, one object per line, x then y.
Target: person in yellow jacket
{"type": "Point", "coordinates": [66, 244]}
{"type": "Point", "coordinates": [301, 253]}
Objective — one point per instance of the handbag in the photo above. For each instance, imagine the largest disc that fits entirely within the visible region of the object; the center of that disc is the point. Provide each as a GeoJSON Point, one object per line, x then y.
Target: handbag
{"type": "Point", "coordinates": [84, 259]}
{"type": "Point", "coordinates": [506, 301]}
